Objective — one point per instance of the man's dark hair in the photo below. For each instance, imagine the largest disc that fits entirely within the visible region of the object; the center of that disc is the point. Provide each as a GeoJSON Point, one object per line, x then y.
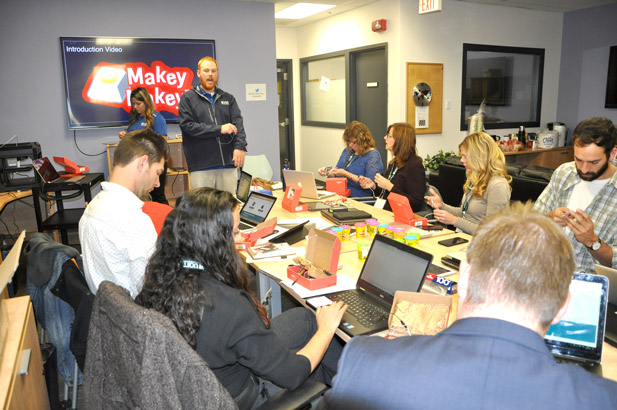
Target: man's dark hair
{"type": "Point", "coordinates": [138, 143]}
{"type": "Point", "coordinates": [597, 130]}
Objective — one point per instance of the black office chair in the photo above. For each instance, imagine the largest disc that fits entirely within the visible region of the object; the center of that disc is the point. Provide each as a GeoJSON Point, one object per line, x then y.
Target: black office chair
{"type": "Point", "coordinates": [137, 359]}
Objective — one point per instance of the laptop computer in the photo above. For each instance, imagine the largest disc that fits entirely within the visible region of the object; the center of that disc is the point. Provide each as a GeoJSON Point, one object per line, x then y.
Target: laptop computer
{"type": "Point", "coordinates": [306, 181]}
{"type": "Point", "coordinates": [244, 186]}
{"type": "Point", "coordinates": [48, 173]}
{"type": "Point", "coordinates": [255, 210]}
{"type": "Point", "coordinates": [579, 337]}
{"type": "Point", "coordinates": [389, 266]}
{"type": "Point", "coordinates": [610, 335]}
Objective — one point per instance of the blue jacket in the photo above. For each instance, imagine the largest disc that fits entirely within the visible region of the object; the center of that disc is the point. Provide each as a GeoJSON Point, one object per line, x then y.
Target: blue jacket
{"type": "Point", "coordinates": [204, 145]}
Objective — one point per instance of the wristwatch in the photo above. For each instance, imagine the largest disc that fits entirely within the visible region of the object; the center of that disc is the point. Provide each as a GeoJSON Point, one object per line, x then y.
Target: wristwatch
{"type": "Point", "coordinates": [595, 246]}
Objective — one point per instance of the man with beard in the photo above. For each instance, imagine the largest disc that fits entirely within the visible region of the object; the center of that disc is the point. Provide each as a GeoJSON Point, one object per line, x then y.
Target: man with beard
{"type": "Point", "coordinates": [213, 134]}
{"type": "Point", "coordinates": [582, 195]}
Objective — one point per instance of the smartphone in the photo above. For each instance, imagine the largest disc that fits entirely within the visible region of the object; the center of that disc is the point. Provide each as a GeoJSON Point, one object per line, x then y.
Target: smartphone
{"type": "Point", "coordinates": [453, 241]}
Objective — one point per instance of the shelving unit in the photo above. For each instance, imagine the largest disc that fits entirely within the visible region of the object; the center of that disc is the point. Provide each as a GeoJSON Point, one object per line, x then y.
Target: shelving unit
{"type": "Point", "coordinates": [177, 180]}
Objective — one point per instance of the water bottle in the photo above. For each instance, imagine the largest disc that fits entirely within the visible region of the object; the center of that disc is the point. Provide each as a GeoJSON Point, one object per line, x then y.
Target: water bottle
{"type": "Point", "coordinates": [285, 166]}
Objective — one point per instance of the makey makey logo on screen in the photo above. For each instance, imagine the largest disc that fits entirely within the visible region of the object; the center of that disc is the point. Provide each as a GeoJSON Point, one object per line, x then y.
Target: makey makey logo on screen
{"type": "Point", "coordinates": [111, 84]}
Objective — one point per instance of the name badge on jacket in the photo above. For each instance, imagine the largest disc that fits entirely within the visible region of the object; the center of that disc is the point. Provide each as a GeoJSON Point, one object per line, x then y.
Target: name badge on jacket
{"type": "Point", "coordinates": [224, 102]}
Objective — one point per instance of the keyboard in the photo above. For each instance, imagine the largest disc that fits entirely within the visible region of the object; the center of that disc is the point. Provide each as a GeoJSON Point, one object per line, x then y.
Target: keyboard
{"type": "Point", "coordinates": [367, 313]}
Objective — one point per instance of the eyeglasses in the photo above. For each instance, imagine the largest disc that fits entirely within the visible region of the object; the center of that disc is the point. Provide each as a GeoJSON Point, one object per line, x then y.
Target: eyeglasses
{"type": "Point", "coordinates": [389, 135]}
{"type": "Point", "coordinates": [354, 142]}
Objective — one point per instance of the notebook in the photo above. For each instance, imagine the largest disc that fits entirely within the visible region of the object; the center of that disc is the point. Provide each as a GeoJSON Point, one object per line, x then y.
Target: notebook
{"type": "Point", "coordinates": [48, 173]}
{"type": "Point", "coordinates": [255, 210]}
{"type": "Point", "coordinates": [306, 181]}
{"type": "Point", "coordinates": [244, 186]}
{"type": "Point", "coordinates": [389, 266]}
{"type": "Point", "coordinates": [611, 309]}
{"type": "Point", "coordinates": [579, 337]}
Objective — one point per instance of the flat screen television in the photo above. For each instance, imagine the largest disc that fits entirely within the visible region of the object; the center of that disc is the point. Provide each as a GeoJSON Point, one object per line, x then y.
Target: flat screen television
{"type": "Point", "coordinates": [100, 72]}
{"type": "Point", "coordinates": [611, 81]}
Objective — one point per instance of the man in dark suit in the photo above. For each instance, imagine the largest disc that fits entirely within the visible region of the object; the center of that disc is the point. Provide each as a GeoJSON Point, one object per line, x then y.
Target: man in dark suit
{"type": "Point", "coordinates": [513, 286]}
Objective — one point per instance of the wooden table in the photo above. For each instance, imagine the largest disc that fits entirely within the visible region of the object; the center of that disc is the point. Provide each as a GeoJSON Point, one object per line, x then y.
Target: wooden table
{"type": "Point", "coordinates": [270, 274]}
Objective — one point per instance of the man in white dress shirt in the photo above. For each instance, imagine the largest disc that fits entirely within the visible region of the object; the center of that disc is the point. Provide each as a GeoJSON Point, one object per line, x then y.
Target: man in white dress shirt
{"type": "Point", "coordinates": [116, 237]}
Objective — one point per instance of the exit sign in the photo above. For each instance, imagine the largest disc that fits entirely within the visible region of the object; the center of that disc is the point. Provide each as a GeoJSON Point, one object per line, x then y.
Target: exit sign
{"type": "Point", "coordinates": [428, 6]}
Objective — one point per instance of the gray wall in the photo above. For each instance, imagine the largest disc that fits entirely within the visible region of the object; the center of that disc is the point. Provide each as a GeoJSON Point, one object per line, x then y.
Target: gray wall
{"type": "Point", "coordinates": [31, 86]}
{"type": "Point", "coordinates": [587, 37]}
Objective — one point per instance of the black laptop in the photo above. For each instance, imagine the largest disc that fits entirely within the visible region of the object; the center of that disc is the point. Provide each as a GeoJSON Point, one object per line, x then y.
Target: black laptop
{"type": "Point", "coordinates": [244, 186]}
{"type": "Point", "coordinates": [255, 210]}
{"type": "Point", "coordinates": [389, 266]}
{"type": "Point", "coordinates": [610, 335]}
{"type": "Point", "coordinates": [579, 336]}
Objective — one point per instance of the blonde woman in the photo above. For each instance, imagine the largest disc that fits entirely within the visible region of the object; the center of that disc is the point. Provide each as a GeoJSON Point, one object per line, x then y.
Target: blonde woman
{"type": "Point", "coordinates": [487, 189]}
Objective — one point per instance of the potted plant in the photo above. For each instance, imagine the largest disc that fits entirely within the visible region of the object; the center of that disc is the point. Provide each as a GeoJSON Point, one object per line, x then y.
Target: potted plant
{"type": "Point", "coordinates": [432, 163]}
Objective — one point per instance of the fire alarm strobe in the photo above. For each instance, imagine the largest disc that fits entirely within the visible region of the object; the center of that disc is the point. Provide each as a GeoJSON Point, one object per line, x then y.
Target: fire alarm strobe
{"type": "Point", "coordinates": [379, 25]}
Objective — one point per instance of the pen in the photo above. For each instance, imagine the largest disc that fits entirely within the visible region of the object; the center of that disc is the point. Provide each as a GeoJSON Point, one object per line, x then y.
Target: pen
{"type": "Point", "coordinates": [300, 273]}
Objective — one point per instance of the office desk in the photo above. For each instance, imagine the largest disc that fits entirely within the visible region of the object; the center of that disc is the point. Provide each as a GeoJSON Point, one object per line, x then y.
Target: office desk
{"type": "Point", "coordinates": [271, 273]}
{"type": "Point", "coordinates": [64, 219]}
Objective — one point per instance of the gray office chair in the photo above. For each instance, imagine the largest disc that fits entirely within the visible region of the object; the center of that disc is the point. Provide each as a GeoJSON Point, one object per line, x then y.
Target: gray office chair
{"type": "Point", "coordinates": [137, 359]}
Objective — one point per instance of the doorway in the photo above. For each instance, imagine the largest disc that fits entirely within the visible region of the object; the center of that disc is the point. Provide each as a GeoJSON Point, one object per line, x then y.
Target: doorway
{"type": "Point", "coordinates": [285, 112]}
{"type": "Point", "coordinates": [369, 92]}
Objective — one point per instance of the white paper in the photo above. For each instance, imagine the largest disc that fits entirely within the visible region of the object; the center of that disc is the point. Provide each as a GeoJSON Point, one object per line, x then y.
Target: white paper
{"type": "Point", "coordinates": [255, 92]}
{"type": "Point", "coordinates": [324, 84]}
{"type": "Point", "coordinates": [343, 282]}
{"type": "Point", "coordinates": [422, 117]}
{"type": "Point", "coordinates": [319, 301]}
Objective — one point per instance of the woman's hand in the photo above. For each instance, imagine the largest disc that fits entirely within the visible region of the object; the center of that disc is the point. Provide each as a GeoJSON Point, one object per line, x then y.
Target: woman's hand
{"type": "Point", "coordinates": [383, 183]}
{"type": "Point", "coordinates": [434, 200]}
{"type": "Point", "coordinates": [339, 172]}
{"type": "Point", "coordinates": [444, 217]}
{"type": "Point", "coordinates": [324, 171]}
{"type": "Point", "coordinates": [121, 134]}
{"type": "Point", "coordinates": [329, 317]}
{"type": "Point", "coordinates": [366, 183]}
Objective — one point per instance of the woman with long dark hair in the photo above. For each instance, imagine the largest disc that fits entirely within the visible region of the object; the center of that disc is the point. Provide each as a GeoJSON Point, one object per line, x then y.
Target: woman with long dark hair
{"type": "Point", "coordinates": [487, 188]}
{"type": "Point", "coordinates": [196, 278]}
{"type": "Point", "coordinates": [405, 173]}
{"type": "Point", "coordinates": [143, 115]}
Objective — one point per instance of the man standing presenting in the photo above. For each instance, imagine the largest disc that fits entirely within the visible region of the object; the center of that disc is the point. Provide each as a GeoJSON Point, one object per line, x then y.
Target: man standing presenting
{"type": "Point", "coordinates": [212, 131]}
{"type": "Point", "coordinates": [116, 237]}
{"type": "Point", "coordinates": [493, 356]}
{"type": "Point", "coordinates": [582, 195]}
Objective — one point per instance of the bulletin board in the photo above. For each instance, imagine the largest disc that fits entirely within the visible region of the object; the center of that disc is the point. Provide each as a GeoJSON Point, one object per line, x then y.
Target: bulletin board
{"type": "Point", "coordinates": [431, 74]}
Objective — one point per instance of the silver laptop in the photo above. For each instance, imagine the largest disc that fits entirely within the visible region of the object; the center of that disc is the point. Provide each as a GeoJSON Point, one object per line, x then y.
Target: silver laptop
{"type": "Point", "coordinates": [579, 337]}
{"type": "Point", "coordinates": [48, 173]}
{"type": "Point", "coordinates": [610, 335]}
{"type": "Point", "coordinates": [389, 266]}
{"type": "Point", "coordinates": [306, 181]}
{"type": "Point", "coordinates": [255, 210]}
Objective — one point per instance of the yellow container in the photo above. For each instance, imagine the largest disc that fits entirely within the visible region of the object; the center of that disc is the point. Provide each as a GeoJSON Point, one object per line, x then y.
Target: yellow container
{"type": "Point", "coordinates": [360, 230]}
{"type": "Point", "coordinates": [363, 249]}
{"type": "Point", "coordinates": [346, 232]}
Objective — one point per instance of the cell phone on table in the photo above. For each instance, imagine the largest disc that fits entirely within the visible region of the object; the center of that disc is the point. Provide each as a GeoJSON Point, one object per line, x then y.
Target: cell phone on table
{"type": "Point", "coordinates": [453, 241]}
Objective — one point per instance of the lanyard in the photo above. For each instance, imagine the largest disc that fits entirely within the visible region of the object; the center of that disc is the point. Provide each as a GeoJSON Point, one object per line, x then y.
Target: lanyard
{"type": "Point", "coordinates": [467, 198]}
{"type": "Point", "coordinates": [351, 159]}
{"type": "Point", "coordinates": [393, 172]}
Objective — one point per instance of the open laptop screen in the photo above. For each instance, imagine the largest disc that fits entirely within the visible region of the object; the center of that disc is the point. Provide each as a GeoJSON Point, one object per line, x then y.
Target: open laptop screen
{"type": "Point", "coordinates": [392, 266]}
{"type": "Point", "coordinates": [45, 169]}
{"type": "Point", "coordinates": [256, 208]}
{"type": "Point", "coordinates": [580, 333]}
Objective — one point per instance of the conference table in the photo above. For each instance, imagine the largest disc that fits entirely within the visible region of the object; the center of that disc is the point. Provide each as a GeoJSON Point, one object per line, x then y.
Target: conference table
{"type": "Point", "coordinates": [271, 274]}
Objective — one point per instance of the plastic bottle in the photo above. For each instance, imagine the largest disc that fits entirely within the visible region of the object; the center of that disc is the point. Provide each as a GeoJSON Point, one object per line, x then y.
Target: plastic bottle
{"type": "Point", "coordinates": [285, 166]}
{"type": "Point", "coordinates": [521, 135]}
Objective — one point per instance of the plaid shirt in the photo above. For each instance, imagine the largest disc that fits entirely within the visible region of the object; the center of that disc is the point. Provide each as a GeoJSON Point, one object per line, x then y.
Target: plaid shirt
{"type": "Point", "coordinates": [602, 211]}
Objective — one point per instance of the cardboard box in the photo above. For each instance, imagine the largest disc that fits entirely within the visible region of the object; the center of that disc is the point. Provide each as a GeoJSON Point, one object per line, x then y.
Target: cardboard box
{"type": "Point", "coordinates": [429, 321]}
{"type": "Point", "coordinates": [250, 238]}
{"type": "Point", "coordinates": [323, 250]}
{"type": "Point", "coordinates": [291, 199]}
{"type": "Point", "coordinates": [403, 213]}
{"type": "Point", "coordinates": [338, 186]}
